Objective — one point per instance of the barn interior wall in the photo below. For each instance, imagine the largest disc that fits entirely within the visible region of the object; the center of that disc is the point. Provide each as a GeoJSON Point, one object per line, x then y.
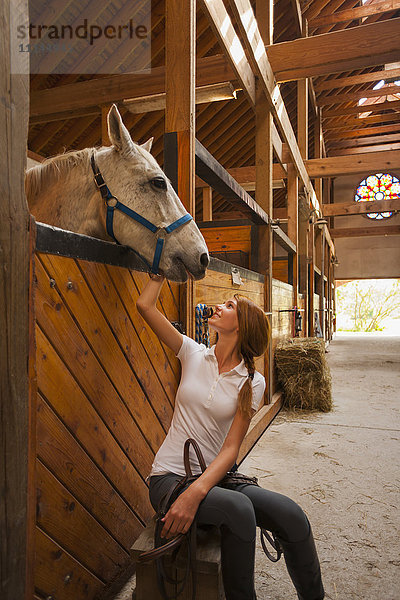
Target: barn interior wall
{"type": "Point", "coordinates": [368, 257]}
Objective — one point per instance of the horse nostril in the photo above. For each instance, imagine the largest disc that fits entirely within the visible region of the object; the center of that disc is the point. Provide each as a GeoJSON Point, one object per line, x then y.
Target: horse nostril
{"type": "Point", "coordinates": [204, 260]}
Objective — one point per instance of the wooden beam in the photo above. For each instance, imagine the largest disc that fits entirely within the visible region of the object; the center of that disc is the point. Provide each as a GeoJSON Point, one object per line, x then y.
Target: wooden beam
{"type": "Point", "coordinates": [386, 90]}
{"type": "Point", "coordinates": [329, 167]}
{"type": "Point", "coordinates": [91, 111]}
{"type": "Point", "coordinates": [17, 348]}
{"type": "Point", "coordinates": [318, 151]}
{"type": "Point", "coordinates": [298, 18]}
{"type": "Point", "coordinates": [204, 94]}
{"type": "Point", "coordinates": [336, 51]}
{"type": "Point", "coordinates": [307, 57]}
{"type": "Point", "coordinates": [361, 208]}
{"type": "Point", "coordinates": [264, 181]}
{"type": "Point", "coordinates": [258, 57]}
{"type": "Point", "coordinates": [366, 231]}
{"type": "Point", "coordinates": [332, 84]}
{"type": "Point", "coordinates": [363, 108]}
{"type": "Point", "coordinates": [180, 112]}
{"type": "Point", "coordinates": [115, 88]}
{"type": "Point", "coordinates": [224, 31]}
{"type": "Point", "coordinates": [366, 141]}
{"type": "Point", "coordinates": [259, 423]}
{"type": "Point", "coordinates": [365, 149]}
{"type": "Point", "coordinates": [207, 204]}
{"type": "Point", "coordinates": [214, 174]}
{"type": "Point", "coordinates": [343, 16]}
{"type": "Point", "coordinates": [354, 122]}
{"type": "Point", "coordinates": [283, 240]}
{"type": "Point", "coordinates": [347, 165]}
{"type": "Point", "coordinates": [311, 279]}
{"type": "Point", "coordinates": [335, 136]}
{"type": "Point", "coordinates": [293, 224]}
{"type": "Point", "coordinates": [302, 117]}
{"type": "Point", "coordinates": [35, 156]}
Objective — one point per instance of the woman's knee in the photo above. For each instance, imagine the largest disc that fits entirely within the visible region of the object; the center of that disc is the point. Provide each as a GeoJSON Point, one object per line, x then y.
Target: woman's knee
{"type": "Point", "coordinates": [232, 510]}
{"type": "Point", "coordinates": [295, 525]}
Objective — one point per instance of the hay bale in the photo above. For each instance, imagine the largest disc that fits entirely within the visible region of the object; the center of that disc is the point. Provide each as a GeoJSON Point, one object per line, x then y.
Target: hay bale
{"type": "Point", "coordinates": [304, 374]}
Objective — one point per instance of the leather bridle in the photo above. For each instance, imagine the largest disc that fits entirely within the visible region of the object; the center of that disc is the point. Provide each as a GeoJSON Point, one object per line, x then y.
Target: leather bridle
{"type": "Point", "coordinates": [112, 204]}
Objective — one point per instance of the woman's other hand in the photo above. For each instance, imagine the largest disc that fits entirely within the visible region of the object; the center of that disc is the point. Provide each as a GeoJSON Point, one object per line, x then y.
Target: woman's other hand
{"type": "Point", "coordinates": [181, 514]}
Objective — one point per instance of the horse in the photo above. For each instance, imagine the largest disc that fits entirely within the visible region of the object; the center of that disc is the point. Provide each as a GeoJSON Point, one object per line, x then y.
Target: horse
{"type": "Point", "coordinates": [119, 193]}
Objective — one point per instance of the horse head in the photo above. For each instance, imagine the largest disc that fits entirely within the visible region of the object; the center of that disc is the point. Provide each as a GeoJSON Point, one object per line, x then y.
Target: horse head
{"type": "Point", "coordinates": [134, 178]}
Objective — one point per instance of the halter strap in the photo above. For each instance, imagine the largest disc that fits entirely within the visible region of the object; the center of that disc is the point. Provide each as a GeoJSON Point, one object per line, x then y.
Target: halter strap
{"type": "Point", "coordinates": [112, 204]}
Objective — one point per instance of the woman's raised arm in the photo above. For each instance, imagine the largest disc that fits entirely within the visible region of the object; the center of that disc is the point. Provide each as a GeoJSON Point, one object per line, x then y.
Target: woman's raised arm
{"type": "Point", "coordinates": [147, 307]}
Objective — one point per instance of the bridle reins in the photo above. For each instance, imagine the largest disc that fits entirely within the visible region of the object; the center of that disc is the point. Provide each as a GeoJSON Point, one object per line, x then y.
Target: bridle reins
{"type": "Point", "coordinates": [112, 204]}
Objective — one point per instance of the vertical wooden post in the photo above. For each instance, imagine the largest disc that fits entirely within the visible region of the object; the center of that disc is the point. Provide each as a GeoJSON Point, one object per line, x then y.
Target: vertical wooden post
{"type": "Point", "coordinates": [17, 500]}
{"type": "Point", "coordinates": [207, 204]}
{"type": "Point", "coordinates": [293, 224]}
{"type": "Point", "coordinates": [179, 145]}
{"type": "Point", "coordinates": [322, 284]}
{"type": "Point", "coordinates": [302, 140]}
{"type": "Point", "coordinates": [318, 152]}
{"type": "Point", "coordinates": [264, 193]}
{"type": "Point", "coordinates": [311, 279]}
{"type": "Point", "coordinates": [302, 117]}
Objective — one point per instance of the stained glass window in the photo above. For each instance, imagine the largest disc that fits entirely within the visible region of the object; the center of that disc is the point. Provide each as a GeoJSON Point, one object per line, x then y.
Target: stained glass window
{"type": "Point", "coordinates": [380, 186]}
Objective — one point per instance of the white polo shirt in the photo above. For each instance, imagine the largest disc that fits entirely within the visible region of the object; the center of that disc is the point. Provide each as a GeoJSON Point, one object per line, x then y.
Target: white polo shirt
{"type": "Point", "coordinates": [205, 405]}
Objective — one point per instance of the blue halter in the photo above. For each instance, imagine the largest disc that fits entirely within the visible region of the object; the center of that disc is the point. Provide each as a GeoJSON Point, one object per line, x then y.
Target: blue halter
{"type": "Point", "coordinates": [113, 203]}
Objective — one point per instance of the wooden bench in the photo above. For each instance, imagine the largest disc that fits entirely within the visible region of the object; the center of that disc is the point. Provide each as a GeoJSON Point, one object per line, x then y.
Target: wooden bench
{"type": "Point", "coordinates": [208, 567]}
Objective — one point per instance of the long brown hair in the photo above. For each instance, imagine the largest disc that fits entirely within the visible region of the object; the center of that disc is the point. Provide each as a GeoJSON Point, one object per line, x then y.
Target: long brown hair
{"type": "Point", "coordinates": [254, 337]}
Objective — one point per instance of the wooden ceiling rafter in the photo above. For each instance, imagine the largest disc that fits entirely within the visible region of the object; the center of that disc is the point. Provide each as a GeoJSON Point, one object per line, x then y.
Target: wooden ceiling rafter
{"type": "Point", "coordinates": [353, 14]}
{"type": "Point", "coordinates": [355, 96]}
{"type": "Point", "coordinates": [365, 149]}
{"type": "Point", "coordinates": [345, 81]}
{"type": "Point", "coordinates": [359, 133]}
{"type": "Point", "coordinates": [365, 141]}
{"type": "Point", "coordinates": [393, 105]}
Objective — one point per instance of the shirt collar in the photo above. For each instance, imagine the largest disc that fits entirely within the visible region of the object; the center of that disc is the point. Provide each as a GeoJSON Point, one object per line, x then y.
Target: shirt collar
{"type": "Point", "coordinates": [241, 368]}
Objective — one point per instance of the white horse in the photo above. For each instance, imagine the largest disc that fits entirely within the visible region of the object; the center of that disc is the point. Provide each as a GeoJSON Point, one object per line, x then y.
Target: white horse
{"type": "Point", "coordinates": [62, 192]}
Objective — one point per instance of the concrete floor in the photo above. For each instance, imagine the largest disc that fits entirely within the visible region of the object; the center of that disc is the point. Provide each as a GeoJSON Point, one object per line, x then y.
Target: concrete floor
{"type": "Point", "coordinates": [343, 469]}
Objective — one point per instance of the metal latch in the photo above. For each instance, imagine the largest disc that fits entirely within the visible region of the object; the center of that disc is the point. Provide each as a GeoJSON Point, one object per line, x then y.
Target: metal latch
{"type": "Point", "coordinates": [236, 279]}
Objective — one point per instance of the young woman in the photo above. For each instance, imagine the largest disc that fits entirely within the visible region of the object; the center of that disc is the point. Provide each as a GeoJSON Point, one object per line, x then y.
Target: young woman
{"type": "Point", "coordinates": [218, 394]}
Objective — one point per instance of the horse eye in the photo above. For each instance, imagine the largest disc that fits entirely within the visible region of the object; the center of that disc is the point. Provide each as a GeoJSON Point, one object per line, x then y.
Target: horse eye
{"type": "Point", "coordinates": [159, 183]}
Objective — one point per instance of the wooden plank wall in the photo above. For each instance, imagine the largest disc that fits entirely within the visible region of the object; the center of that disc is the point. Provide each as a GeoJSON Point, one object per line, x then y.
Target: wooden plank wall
{"type": "Point", "coordinates": [106, 388]}
{"type": "Point", "coordinates": [228, 238]}
{"type": "Point", "coordinates": [280, 269]}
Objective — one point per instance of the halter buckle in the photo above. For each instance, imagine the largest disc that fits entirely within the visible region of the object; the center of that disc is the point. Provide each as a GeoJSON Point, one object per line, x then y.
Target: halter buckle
{"type": "Point", "coordinates": [112, 201]}
{"type": "Point", "coordinates": [161, 233]}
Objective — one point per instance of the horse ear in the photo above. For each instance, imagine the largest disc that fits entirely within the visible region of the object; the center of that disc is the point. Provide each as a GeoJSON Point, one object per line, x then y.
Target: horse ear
{"type": "Point", "coordinates": [117, 132]}
{"type": "Point", "coordinates": [147, 145]}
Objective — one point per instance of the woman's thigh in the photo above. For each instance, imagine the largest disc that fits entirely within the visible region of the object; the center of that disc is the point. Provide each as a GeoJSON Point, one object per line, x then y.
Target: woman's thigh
{"type": "Point", "coordinates": [221, 507]}
{"type": "Point", "coordinates": [231, 509]}
{"type": "Point", "coordinates": [277, 513]}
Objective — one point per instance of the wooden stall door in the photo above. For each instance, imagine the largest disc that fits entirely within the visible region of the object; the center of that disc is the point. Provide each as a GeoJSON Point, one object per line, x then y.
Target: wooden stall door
{"type": "Point", "coordinates": [106, 388]}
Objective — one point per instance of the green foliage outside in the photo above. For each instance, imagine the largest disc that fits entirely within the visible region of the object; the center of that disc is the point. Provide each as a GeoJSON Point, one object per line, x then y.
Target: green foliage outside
{"type": "Point", "coordinates": [365, 305]}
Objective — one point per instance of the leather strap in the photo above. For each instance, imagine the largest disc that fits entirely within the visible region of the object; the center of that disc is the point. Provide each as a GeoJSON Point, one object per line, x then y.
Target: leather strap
{"type": "Point", "coordinates": [191, 442]}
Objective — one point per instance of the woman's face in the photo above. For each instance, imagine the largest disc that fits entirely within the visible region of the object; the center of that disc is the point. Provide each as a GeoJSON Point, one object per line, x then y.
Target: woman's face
{"type": "Point", "coordinates": [225, 319]}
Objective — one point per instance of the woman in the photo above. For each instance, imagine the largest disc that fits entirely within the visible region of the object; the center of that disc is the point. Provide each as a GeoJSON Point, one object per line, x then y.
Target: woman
{"type": "Point", "coordinates": [218, 394]}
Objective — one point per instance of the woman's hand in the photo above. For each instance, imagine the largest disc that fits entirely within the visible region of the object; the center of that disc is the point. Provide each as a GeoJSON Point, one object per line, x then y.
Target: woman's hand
{"type": "Point", "coordinates": [181, 514]}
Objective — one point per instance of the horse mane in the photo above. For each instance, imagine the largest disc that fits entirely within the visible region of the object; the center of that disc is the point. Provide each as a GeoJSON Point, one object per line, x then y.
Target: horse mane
{"type": "Point", "coordinates": [53, 169]}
